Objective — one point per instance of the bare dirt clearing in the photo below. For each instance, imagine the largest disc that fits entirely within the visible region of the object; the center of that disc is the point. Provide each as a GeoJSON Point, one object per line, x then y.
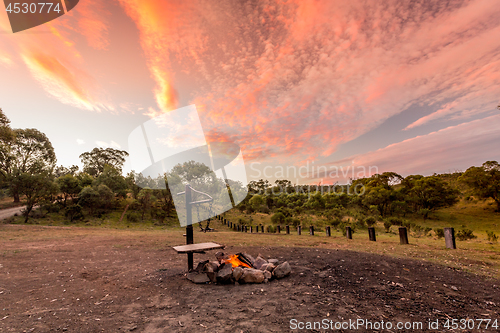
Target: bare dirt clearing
{"type": "Point", "coordinates": [77, 280]}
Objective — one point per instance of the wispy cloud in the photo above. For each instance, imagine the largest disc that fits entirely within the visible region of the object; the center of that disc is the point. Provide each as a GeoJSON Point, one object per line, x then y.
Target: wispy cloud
{"type": "Point", "coordinates": [104, 144]}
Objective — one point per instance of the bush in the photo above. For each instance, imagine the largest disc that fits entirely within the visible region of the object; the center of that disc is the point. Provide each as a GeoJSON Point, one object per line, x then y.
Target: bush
{"type": "Point", "coordinates": [342, 226]}
{"type": "Point", "coordinates": [491, 236]}
{"type": "Point", "coordinates": [51, 207]}
{"type": "Point", "coordinates": [73, 212]}
{"type": "Point", "coordinates": [336, 222]}
{"type": "Point", "coordinates": [370, 221]}
{"type": "Point", "coordinates": [395, 221]}
{"type": "Point", "coordinates": [250, 209]}
{"type": "Point", "coordinates": [264, 209]}
{"type": "Point", "coordinates": [465, 234]}
{"type": "Point", "coordinates": [133, 217]}
{"type": "Point", "coordinates": [427, 230]}
{"type": "Point", "coordinates": [387, 226]}
{"type": "Point", "coordinates": [439, 232]}
{"type": "Point", "coordinates": [360, 223]}
{"type": "Point", "coordinates": [278, 218]}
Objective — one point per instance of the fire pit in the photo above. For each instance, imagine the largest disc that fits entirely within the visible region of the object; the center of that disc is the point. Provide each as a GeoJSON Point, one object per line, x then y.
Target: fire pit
{"type": "Point", "coordinates": [238, 268]}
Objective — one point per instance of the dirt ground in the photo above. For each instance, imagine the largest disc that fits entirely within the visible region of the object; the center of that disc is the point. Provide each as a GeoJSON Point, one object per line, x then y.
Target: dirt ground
{"type": "Point", "coordinates": [122, 284]}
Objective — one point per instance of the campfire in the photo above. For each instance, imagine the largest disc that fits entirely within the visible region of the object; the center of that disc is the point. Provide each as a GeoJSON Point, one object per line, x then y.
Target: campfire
{"type": "Point", "coordinates": [238, 268]}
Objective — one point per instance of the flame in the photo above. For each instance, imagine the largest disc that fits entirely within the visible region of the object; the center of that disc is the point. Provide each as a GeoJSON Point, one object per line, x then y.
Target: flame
{"type": "Point", "coordinates": [234, 261]}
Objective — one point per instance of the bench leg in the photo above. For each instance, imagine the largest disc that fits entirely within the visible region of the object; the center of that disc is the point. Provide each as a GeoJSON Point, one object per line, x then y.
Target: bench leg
{"type": "Point", "coordinates": [190, 262]}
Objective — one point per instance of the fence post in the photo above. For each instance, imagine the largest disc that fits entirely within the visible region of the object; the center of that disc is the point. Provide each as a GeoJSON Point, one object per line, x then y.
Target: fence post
{"type": "Point", "coordinates": [299, 230]}
{"type": "Point", "coordinates": [287, 229]}
{"type": "Point", "coordinates": [403, 236]}
{"type": "Point", "coordinates": [251, 229]}
{"type": "Point", "coordinates": [278, 229]}
{"type": "Point", "coordinates": [371, 234]}
{"type": "Point", "coordinates": [262, 228]}
{"type": "Point", "coordinates": [348, 232]}
{"type": "Point", "coordinates": [449, 238]}
{"type": "Point", "coordinates": [328, 233]}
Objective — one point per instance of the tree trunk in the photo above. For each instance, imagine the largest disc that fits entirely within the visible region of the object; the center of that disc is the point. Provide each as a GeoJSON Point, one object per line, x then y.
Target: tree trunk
{"type": "Point", "coordinates": [15, 194]}
{"type": "Point", "coordinates": [27, 213]}
{"type": "Point", "coordinates": [498, 205]}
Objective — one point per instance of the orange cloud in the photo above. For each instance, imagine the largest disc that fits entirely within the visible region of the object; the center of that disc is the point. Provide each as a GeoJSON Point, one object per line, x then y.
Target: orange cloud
{"type": "Point", "coordinates": [58, 80]}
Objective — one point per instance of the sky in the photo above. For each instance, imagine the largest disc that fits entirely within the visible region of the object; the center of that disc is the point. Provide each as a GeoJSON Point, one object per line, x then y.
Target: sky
{"type": "Point", "coordinates": [340, 89]}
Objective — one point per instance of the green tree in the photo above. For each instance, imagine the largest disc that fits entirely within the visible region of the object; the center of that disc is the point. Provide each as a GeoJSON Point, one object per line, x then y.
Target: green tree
{"type": "Point", "coordinates": [95, 160]}
{"type": "Point", "coordinates": [428, 192]}
{"type": "Point", "coordinates": [69, 185]}
{"type": "Point", "coordinates": [484, 181]}
{"type": "Point", "coordinates": [113, 179]}
{"type": "Point", "coordinates": [36, 188]}
{"type": "Point", "coordinates": [31, 152]}
{"type": "Point", "coordinates": [146, 200]}
{"type": "Point", "coordinates": [6, 138]}
{"type": "Point", "coordinates": [256, 201]}
{"type": "Point", "coordinates": [89, 198]}
{"type": "Point", "coordinates": [278, 218]}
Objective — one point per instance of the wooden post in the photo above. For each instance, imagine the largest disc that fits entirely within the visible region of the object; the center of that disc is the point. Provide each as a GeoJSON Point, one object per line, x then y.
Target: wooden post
{"type": "Point", "coordinates": [449, 238]}
{"type": "Point", "coordinates": [299, 230]}
{"type": "Point", "coordinates": [287, 230]}
{"type": "Point", "coordinates": [403, 236]}
{"type": "Point", "coordinates": [371, 234]}
{"type": "Point", "coordinates": [348, 232]}
{"type": "Point", "coordinates": [262, 228]}
{"type": "Point", "coordinates": [189, 226]}
{"type": "Point", "coordinates": [311, 230]}
{"type": "Point", "coordinates": [246, 229]}
{"type": "Point", "coordinates": [278, 229]}
{"type": "Point", "coordinates": [328, 231]}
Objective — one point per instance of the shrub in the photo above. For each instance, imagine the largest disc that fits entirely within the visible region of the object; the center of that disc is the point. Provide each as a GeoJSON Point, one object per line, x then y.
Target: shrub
{"type": "Point", "coordinates": [491, 236]}
{"type": "Point", "coordinates": [250, 209]}
{"type": "Point", "coordinates": [427, 230]}
{"type": "Point", "coordinates": [51, 207]}
{"type": "Point", "coordinates": [395, 221]}
{"type": "Point", "coordinates": [360, 223]}
{"type": "Point", "coordinates": [73, 212]}
{"type": "Point", "coordinates": [278, 218]}
{"type": "Point", "coordinates": [465, 234]}
{"type": "Point", "coordinates": [343, 225]}
{"type": "Point", "coordinates": [336, 222]}
{"type": "Point", "coordinates": [439, 232]}
{"type": "Point", "coordinates": [264, 209]}
{"type": "Point", "coordinates": [387, 226]}
{"type": "Point", "coordinates": [370, 221]}
{"type": "Point", "coordinates": [133, 216]}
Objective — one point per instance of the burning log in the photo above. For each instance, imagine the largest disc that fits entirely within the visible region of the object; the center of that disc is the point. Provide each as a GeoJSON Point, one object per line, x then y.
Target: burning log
{"type": "Point", "coordinates": [240, 268]}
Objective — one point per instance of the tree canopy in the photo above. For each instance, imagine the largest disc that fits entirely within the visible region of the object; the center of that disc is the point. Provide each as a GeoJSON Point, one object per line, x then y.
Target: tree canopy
{"type": "Point", "coordinates": [95, 160]}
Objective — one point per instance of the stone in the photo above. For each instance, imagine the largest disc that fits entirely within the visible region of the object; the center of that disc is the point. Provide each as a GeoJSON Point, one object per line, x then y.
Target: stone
{"type": "Point", "coordinates": [211, 266]}
{"type": "Point", "coordinates": [251, 275]}
{"type": "Point", "coordinates": [263, 267]}
{"type": "Point", "coordinates": [267, 275]}
{"type": "Point", "coordinates": [225, 274]}
{"type": "Point", "coordinates": [198, 277]}
{"type": "Point", "coordinates": [282, 270]}
{"type": "Point", "coordinates": [237, 272]}
{"type": "Point", "coordinates": [221, 256]}
{"type": "Point", "coordinates": [259, 262]}
{"type": "Point", "coordinates": [270, 267]}
{"type": "Point", "coordinates": [275, 262]}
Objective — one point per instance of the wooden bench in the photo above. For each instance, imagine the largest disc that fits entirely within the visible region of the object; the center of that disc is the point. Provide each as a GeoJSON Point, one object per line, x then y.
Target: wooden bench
{"type": "Point", "coordinates": [196, 248]}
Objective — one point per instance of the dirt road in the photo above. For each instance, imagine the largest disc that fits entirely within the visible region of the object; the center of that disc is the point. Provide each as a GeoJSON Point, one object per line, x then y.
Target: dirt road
{"type": "Point", "coordinates": [6, 213]}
